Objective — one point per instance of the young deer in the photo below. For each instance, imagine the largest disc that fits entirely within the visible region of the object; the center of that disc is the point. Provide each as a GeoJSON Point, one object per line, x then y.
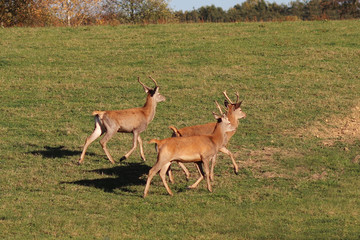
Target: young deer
{"type": "Point", "coordinates": [199, 149]}
{"type": "Point", "coordinates": [234, 113]}
{"type": "Point", "coordinates": [133, 120]}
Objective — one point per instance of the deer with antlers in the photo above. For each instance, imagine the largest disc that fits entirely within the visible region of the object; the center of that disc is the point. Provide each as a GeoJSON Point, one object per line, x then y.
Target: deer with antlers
{"type": "Point", "coordinates": [133, 120]}
{"type": "Point", "coordinates": [233, 113]}
{"type": "Point", "coordinates": [199, 149]}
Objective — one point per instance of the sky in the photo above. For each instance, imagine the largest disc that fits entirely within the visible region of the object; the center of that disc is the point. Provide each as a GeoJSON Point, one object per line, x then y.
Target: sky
{"type": "Point", "coordinates": [224, 4]}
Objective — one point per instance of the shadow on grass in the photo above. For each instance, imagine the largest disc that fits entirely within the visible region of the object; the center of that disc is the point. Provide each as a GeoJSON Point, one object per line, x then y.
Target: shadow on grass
{"type": "Point", "coordinates": [129, 174]}
{"type": "Point", "coordinates": [56, 152]}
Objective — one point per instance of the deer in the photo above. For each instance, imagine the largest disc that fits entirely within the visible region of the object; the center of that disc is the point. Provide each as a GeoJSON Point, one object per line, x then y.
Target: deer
{"type": "Point", "coordinates": [234, 113]}
{"type": "Point", "coordinates": [199, 149]}
{"type": "Point", "coordinates": [133, 120]}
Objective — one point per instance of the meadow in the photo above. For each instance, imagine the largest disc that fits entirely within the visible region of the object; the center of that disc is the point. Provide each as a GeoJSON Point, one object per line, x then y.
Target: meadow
{"type": "Point", "coordinates": [297, 150]}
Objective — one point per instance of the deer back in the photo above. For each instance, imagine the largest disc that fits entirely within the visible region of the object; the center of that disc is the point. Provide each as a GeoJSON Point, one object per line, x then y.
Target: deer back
{"type": "Point", "coordinates": [126, 120]}
{"type": "Point", "coordinates": [204, 129]}
{"type": "Point", "coordinates": [190, 149]}
{"type": "Point", "coordinates": [193, 148]}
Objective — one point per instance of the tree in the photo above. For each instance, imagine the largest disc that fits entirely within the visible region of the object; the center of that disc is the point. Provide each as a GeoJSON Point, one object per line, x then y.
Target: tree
{"type": "Point", "coordinates": [192, 16]}
{"type": "Point", "coordinates": [348, 8]}
{"type": "Point", "coordinates": [212, 14]}
{"type": "Point", "coordinates": [297, 9]}
{"type": "Point", "coordinates": [73, 12]}
{"type": "Point", "coordinates": [145, 10]}
{"type": "Point", "coordinates": [23, 12]}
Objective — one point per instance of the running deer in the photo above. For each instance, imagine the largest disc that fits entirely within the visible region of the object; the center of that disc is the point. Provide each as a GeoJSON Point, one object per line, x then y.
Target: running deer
{"type": "Point", "coordinates": [199, 149]}
{"type": "Point", "coordinates": [234, 113]}
{"type": "Point", "coordinates": [133, 120]}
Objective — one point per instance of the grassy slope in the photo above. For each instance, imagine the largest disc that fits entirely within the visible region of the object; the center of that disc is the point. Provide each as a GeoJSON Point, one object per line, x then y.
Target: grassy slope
{"type": "Point", "coordinates": [289, 74]}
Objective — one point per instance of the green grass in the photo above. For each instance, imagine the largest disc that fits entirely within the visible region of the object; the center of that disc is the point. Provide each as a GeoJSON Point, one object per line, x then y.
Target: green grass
{"type": "Point", "coordinates": [291, 75]}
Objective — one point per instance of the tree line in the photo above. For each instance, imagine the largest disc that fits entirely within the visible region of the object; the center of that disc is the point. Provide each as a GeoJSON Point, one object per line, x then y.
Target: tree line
{"type": "Point", "coordinates": [260, 10]}
{"type": "Point", "coordinates": [97, 12]}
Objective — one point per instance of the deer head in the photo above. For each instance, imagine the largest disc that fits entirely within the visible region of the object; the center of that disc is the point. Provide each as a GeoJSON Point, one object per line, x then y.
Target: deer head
{"type": "Point", "coordinates": [234, 108]}
{"type": "Point", "coordinates": [153, 92]}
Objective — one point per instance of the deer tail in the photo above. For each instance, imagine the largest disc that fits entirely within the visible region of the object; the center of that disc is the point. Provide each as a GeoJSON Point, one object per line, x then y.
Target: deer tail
{"type": "Point", "coordinates": [100, 114]}
{"type": "Point", "coordinates": [176, 132]}
{"type": "Point", "coordinates": [154, 141]}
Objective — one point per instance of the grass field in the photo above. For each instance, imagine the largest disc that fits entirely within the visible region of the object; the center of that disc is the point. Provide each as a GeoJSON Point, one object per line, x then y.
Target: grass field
{"type": "Point", "coordinates": [298, 149]}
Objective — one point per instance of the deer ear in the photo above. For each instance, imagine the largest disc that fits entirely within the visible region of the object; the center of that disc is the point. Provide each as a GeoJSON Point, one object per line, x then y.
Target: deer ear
{"type": "Point", "coordinates": [216, 116]}
{"type": "Point", "coordinates": [237, 105]}
{"type": "Point", "coordinates": [226, 103]}
{"type": "Point", "coordinates": [152, 92]}
{"type": "Point", "coordinates": [146, 89]}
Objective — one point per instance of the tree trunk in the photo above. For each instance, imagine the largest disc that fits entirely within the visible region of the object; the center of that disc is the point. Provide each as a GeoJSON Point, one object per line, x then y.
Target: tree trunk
{"type": "Point", "coordinates": [68, 13]}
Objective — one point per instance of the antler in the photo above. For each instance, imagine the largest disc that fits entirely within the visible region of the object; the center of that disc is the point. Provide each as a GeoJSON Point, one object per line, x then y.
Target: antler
{"type": "Point", "coordinates": [218, 106]}
{"type": "Point", "coordinates": [237, 96]}
{"type": "Point", "coordinates": [224, 92]}
{"type": "Point", "coordinates": [154, 81]}
{"type": "Point", "coordinates": [144, 86]}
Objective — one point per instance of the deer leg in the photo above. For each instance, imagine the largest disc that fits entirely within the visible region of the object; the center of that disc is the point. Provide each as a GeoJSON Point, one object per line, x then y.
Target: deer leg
{"type": "Point", "coordinates": [226, 151]}
{"type": "Point", "coordinates": [186, 171]}
{"type": "Point", "coordinates": [206, 168]}
{"type": "Point", "coordinates": [141, 148]}
{"type": "Point", "coordinates": [163, 177]}
{"type": "Point", "coordinates": [199, 167]}
{"type": "Point", "coordinates": [171, 176]}
{"type": "Point", "coordinates": [109, 134]}
{"type": "Point", "coordinates": [213, 163]}
{"type": "Point", "coordinates": [154, 170]}
{"type": "Point", "coordinates": [135, 139]}
{"type": "Point", "coordinates": [97, 133]}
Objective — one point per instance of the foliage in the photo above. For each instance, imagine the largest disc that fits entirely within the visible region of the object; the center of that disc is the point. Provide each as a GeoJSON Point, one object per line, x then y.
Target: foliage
{"type": "Point", "coordinates": [260, 10]}
{"type": "Point", "coordinates": [24, 13]}
{"type": "Point", "coordinates": [144, 11]}
{"type": "Point", "coordinates": [91, 12]}
{"type": "Point", "coordinates": [74, 12]}
{"type": "Point", "coordinates": [212, 14]}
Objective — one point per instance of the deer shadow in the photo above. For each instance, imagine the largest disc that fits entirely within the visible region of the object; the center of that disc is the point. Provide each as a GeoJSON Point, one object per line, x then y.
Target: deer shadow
{"type": "Point", "coordinates": [121, 177]}
{"type": "Point", "coordinates": [55, 152]}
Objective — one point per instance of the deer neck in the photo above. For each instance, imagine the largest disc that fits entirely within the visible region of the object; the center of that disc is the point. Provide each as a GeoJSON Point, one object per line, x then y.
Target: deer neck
{"type": "Point", "coordinates": [234, 122]}
{"type": "Point", "coordinates": [218, 136]}
{"type": "Point", "coordinates": [149, 108]}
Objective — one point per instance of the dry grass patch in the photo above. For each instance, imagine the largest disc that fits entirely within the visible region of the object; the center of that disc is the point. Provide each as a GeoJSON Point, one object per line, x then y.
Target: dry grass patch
{"type": "Point", "coordinates": [262, 163]}
{"type": "Point", "coordinates": [336, 128]}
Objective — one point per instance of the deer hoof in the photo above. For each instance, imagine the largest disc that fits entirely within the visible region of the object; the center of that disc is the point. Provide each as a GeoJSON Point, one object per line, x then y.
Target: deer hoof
{"type": "Point", "coordinates": [122, 159]}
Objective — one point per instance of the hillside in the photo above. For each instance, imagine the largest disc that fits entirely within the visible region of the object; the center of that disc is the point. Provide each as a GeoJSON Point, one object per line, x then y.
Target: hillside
{"type": "Point", "coordinates": [298, 148]}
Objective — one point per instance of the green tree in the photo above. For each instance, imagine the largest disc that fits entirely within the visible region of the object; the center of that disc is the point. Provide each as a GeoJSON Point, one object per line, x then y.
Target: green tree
{"type": "Point", "coordinates": [212, 14]}
{"type": "Point", "coordinates": [192, 16]}
{"type": "Point", "coordinates": [297, 8]}
{"type": "Point", "coordinates": [137, 11]}
{"type": "Point", "coordinates": [348, 8]}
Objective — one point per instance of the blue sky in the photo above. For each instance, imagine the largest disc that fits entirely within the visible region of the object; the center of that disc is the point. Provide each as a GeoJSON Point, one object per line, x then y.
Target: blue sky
{"type": "Point", "coordinates": [224, 4]}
